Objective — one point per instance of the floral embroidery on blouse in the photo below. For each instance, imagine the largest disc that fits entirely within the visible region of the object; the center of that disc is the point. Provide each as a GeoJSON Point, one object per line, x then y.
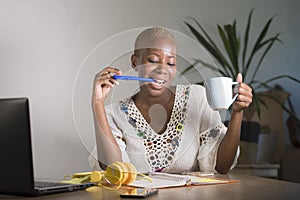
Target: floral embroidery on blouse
{"type": "Point", "coordinates": [210, 134]}
{"type": "Point", "coordinates": [160, 148]}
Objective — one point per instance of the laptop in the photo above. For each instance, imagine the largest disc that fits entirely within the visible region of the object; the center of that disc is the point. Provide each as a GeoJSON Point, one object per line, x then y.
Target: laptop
{"type": "Point", "coordinates": [16, 165]}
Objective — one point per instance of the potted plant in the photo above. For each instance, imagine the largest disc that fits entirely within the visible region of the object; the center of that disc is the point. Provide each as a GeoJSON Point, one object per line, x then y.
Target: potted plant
{"type": "Point", "coordinates": [237, 58]}
{"type": "Point", "coordinates": [236, 55]}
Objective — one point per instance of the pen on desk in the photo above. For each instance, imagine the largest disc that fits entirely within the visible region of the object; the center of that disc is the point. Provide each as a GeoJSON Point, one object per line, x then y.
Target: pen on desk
{"type": "Point", "coordinates": [132, 78]}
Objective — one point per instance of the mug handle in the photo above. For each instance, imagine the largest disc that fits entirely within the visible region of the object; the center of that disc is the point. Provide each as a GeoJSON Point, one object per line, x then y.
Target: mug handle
{"type": "Point", "coordinates": [236, 95]}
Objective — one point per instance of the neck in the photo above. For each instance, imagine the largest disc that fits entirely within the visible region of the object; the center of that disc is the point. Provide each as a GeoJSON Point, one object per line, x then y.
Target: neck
{"type": "Point", "coordinates": [148, 100]}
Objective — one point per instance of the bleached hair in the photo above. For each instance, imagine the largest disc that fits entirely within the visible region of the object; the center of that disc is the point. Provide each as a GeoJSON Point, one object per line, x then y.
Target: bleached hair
{"type": "Point", "coordinates": [146, 38]}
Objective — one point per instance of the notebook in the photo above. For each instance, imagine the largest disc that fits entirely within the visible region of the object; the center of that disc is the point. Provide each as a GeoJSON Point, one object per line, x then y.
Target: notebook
{"type": "Point", "coordinates": [165, 180]}
{"type": "Point", "coordinates": [16, 165]}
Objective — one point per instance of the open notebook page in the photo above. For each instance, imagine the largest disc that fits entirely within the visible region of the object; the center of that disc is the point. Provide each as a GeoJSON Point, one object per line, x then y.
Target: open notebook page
{"type": "Point", "coordinates": [164, 180]}
{"type": "Point", "coordinates": [161, 180]}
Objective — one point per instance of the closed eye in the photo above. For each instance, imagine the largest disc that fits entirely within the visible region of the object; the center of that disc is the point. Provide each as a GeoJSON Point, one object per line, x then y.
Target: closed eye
{"type": "Point", "coordinates": [152, 61]}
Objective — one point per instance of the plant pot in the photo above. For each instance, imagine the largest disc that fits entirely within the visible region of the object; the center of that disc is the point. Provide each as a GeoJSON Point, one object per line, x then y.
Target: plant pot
{"type": "Point", "coordinates": [248, 142]}
{"type": "Point", "coordinates": [272, 119]}
{"type": "Point", "coordinates": [266, 147]}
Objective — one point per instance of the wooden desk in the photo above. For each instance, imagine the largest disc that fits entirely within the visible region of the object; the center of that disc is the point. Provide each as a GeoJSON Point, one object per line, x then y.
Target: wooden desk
{"type": "Point", "coordinates": [263, 170]}
{"type": "Point", "coordinates": [249, 187]}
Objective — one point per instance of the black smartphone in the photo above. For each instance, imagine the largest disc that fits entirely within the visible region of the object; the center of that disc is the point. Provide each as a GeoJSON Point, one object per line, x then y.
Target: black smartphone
{"type": "Point", "coordinates": [139, 193]}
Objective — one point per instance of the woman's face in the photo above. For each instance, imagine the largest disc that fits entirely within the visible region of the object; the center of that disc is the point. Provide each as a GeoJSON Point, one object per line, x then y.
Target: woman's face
{"type": "Point", "coordinates": [158, 63]}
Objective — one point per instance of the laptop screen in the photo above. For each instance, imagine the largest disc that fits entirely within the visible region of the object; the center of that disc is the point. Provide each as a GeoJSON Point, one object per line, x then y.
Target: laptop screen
{"type": "Point", "coordinates": [16, 168]}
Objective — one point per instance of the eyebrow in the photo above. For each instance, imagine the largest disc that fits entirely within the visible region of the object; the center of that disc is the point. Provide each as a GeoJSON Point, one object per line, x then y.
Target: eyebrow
{"type": "Point", "coordinates": [154, 53]}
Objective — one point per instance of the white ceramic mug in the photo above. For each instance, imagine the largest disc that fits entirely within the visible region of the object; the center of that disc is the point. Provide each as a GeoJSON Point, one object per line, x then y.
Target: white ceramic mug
{"type": "Point", "coordinates": [219, 92]}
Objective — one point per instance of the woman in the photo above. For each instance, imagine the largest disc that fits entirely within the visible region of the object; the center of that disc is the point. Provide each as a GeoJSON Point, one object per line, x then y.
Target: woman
{"type": "Point", "coordinates": [164, 127]}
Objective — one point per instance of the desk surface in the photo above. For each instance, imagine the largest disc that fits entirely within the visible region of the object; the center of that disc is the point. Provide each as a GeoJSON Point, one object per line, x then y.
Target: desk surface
{"type": "Point", "coordinates": [249, 187]}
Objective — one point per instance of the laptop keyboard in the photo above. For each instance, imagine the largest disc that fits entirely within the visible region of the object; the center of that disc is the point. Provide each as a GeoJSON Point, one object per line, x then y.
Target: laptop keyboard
{"type": "Point", "coordinates": [43, 184]}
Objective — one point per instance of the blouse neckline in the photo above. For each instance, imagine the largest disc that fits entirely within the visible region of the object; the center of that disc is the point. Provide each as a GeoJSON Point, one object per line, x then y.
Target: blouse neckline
{"type": "Point", "coordinates": [145, 121]}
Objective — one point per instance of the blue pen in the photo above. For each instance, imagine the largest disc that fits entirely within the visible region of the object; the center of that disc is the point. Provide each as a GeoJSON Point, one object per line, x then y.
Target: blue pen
{"type": "Point", "coordinates": [133, 78]}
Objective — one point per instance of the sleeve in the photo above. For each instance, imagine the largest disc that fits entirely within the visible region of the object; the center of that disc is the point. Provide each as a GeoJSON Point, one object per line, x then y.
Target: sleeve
{"type": "Point", "coordinates": [118, 135]}
{"type": "Point", "coordinates": [212, 132]}
{"type": "Point", "coordinates": [107, 152]}
{"type": "Point", "coordinates": [208, 150]}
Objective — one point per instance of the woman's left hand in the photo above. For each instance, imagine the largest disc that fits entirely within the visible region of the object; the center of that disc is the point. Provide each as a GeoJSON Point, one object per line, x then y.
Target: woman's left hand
{"type": "Point", "coordinates": [244, 98]}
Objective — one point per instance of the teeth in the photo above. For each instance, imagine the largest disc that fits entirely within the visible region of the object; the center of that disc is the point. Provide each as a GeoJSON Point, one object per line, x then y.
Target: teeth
{"type": "Point", "coordinates": [160, 82]}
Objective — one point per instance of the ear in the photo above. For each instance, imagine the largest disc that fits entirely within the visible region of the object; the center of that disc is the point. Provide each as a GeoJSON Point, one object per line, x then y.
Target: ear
{"type": "Point", "coordinates": [134, 62]}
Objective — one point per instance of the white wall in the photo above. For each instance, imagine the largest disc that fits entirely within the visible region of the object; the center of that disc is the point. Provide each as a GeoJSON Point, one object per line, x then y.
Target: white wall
{"type": "Point", "coordinates": [44, 43]}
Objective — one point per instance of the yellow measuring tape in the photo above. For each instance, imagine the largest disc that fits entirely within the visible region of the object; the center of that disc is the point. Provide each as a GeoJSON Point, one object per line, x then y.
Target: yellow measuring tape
{"type": "Point", "coordinates": [116, 175]}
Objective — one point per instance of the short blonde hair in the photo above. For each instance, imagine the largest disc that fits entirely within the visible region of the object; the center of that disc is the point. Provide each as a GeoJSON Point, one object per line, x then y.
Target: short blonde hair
{"type": "Point", "coordinates": [147, 37]}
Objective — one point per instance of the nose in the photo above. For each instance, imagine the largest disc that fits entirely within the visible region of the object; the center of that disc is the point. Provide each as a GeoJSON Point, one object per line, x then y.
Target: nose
{"type": "Point", "coordinates": [162, 69]}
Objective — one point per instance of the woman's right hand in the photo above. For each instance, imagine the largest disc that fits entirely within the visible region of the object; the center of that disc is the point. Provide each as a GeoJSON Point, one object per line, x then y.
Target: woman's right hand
{"type": "Point", "coordinates": [103, 82]}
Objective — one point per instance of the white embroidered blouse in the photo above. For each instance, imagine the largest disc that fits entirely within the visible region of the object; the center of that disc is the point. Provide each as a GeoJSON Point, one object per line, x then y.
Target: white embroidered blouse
{"type": "Point", "coordinates": [189, 143]}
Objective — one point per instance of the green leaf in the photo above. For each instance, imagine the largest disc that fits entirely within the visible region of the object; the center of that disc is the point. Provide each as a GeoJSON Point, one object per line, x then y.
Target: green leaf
{"type": "Point", "coordinates": [211, 47]}
{"type": "Point", "coordinates": [216, 69]}
{"type": "Point", "coordinates": [275, 38]}
{"type": "Point", "coordinates": [257, 45]}
{"type": "Point", "coordinates": [262, 102]}
{"type": "Point", "coordinates": [283, 76]}
{"type": "Point", "coordinates": [246, 38]}
{"type": "Point", "coordinates": [206, 44]}
{"type": "Point", "coordinates": [266, 85]}
{"type": "Point", "coordinates": [205, 64]}
{"type": "Point", "coordinates": [256, 104]}
{"type": "Point", "coordinates": [227, 47]}
{"type": "Point", "coordinates": [233, 45]}
{"type": "Point", "coordinates": [261, 85]}
{"type": "Point", "coordinates": [189, 68]}
{"type": "Point", "coordinates": [209, 38]}
{"type": "Point", "coordinates": [271, 41]}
